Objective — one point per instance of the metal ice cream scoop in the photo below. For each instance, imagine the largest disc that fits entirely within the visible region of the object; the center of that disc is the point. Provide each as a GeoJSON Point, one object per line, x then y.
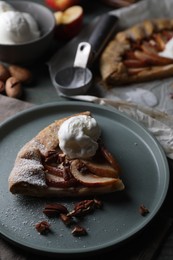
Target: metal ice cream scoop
{"type": "Point", "coordinates": [77, 79]}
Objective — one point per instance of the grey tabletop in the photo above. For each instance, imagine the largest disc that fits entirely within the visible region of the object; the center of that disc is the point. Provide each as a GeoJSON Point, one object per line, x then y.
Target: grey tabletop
{"type": "Point", "coordinates": [42, 91]}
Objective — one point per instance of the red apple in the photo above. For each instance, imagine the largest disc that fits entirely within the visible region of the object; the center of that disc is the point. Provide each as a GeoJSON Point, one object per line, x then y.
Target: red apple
{"type": "Point", "coordinates": [68, 22]}
{"type": "Point", "coordinates": [61, 5]}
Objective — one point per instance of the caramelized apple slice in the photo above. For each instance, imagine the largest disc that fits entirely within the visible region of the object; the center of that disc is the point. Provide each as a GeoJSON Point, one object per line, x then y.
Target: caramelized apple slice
{"type": "Point", "coordinates": [152, 59]}
{"type": "Point", "coordinates": [148, 48]}
{"type": "Point", "coordinates": [91, 180]}
{"type": "Point", "coordinates": [58, 171]}
{"type": "Point", "coordinates": [135, 63]}
{"type": "Point", "coordinates": [101, 169]}
{"type": "Point", "coordinates": [129, 55]}
{"type": "Point", "coordinates": [110, 158]}
{"type": "Point", "coordinates": [59, 182]}
{"type": "Point", "coordinates": [167, 34]}
{"type": "Point", "coordinates": [135, 71]}
{"type": "Point", "coordinates": [160, 41]}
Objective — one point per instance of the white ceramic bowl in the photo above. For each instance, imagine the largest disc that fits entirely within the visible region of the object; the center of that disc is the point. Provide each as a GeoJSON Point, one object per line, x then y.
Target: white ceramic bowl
{"type": "Point", "coordinates": [30, 52]}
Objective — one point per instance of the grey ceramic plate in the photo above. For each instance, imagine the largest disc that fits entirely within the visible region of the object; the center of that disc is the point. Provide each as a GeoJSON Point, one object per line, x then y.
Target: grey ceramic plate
{"type": "Point", "coordinates": [144, 172]}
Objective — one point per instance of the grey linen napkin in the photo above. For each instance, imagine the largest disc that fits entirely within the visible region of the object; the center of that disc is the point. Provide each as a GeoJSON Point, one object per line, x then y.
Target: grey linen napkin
{"type": "Point", "coordinates": [11, 106]}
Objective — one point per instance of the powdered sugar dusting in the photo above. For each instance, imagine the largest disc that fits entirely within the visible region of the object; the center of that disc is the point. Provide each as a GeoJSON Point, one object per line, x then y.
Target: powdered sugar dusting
{"type": "Point", "coordinates": [39, 146]}
{"type": "Point", "coordinates": [28, 171]}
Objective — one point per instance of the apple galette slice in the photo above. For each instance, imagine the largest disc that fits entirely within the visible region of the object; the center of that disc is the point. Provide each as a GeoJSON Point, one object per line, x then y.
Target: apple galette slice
{"type": "Point", "coordinates": [66, 158]}
{"type": "Point", "coordinates": [140, 53]}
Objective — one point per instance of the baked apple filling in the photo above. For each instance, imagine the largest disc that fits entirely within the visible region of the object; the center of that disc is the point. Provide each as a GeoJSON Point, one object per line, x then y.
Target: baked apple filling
{"type": "Point", "coordinates": [145, 52]}
{"type": "Point", "coordinates": [141, 53]}
{"type": "Point", "coordinates": [61, 172]}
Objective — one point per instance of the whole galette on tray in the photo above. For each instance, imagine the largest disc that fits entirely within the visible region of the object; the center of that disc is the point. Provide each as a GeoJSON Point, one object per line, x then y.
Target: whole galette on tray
{"type": "Point", "coordinates": [140, 53]}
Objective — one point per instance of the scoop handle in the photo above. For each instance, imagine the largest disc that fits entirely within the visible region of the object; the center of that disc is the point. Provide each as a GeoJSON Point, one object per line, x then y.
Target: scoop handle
{"type": "Point", "coordinates": [103, 31]}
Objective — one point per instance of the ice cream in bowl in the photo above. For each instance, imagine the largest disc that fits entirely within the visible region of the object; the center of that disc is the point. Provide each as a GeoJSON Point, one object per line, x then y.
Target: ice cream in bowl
{"type": "Point", "coordinates": [26, 31]}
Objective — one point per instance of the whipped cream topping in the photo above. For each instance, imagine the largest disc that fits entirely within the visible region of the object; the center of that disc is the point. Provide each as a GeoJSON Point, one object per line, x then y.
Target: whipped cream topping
{"type": "Point", "coordinates": [78, 136]}
{"type": "Point", "coordinates": [168, 51]}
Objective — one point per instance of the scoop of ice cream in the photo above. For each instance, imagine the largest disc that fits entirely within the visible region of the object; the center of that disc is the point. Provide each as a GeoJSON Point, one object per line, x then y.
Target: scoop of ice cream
{"type": "Point", "coordinates": [78, 136]}
{"type": "Point", "coordinates": [17, 27]}
{"type": "Point", "coordinates": [4, 7]}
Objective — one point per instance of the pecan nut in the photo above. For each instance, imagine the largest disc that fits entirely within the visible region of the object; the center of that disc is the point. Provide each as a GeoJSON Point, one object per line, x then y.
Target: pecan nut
{"type": "Point", "coordinates": [84, 207]}
{"type": "Point", "coordinates": [54, 209]}
{"type": "Point", "coordinates": [143, 210]}
{"type": "Point", "coordinates": [67, 220]}
{"type": "Point", "coordinates": [78, 231]}
{"type": "Point", "coordinates": [43, 227]}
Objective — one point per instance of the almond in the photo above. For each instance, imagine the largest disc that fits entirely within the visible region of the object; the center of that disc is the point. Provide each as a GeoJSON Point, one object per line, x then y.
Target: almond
{"type": "Point", "coordinates": [13, 87]}
{"type": "Point", "coordinates": [4, 73]}
{"type": "Point", "coordinates": [20, 73]}
{"type": "Point", "coordinates": [2, 86]}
